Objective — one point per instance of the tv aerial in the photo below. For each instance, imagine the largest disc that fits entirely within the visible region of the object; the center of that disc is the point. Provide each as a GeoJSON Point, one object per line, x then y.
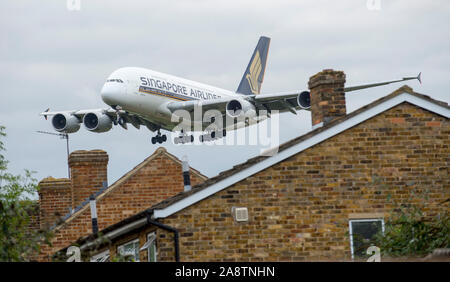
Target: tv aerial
{"type": "Point", "coordinates": [62, 136]}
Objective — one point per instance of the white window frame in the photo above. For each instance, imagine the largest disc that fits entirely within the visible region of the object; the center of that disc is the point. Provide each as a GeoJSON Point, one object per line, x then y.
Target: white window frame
{"type": "Point", "coordinates": [151, 241]}
{"type": "Point", "coordinates": [361, 220]}
{"type": "Point", "coordinates": [103, 256]}
{"type": "Point", "coordinates": [122, 253]}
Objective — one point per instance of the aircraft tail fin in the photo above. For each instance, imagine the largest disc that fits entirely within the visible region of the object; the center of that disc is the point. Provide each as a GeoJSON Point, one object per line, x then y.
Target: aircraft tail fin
{"type": "Point", "coordinates": [254, 74]}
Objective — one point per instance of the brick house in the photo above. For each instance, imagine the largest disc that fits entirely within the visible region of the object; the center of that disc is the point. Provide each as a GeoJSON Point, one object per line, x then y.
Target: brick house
{"type": "Point", "coordinates": [64, 203]}
{"type": "Point", "coordinates": [311, 199]}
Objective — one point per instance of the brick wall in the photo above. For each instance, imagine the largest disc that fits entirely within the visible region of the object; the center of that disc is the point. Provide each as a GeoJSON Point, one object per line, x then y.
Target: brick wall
{"type": "Point", "coordinates": [140, 233]}
{"type": "Point", "coordinates": [88, 171]}
{"type": "Point", "coordinates": [299, 208]}
{"type": "Point", "coordinates": [154, 180]}
{"type": "Point", "coordinates": [33, 212]}
{"type": "Point", "coordinates": [55, 199]}
{"type": "Point", "coordinates": [327, 96]}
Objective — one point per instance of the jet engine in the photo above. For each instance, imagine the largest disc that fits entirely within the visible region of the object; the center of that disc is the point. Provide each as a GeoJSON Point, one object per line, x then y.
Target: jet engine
{"type": "Point", "coordinates": [304, 100]}
{"type": "Point", "coordinates": [97, 122]}
{"type": "Point", "coordinates": [236, 108]}
{"type": "Point", "coordinates": [65, 122]}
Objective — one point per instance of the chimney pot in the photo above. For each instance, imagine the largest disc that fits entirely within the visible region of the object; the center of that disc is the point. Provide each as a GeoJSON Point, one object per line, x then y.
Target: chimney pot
{"type": "Point", "coordinates": [186, 174]}
{"type": "Point", "coordinates": [93, 206]}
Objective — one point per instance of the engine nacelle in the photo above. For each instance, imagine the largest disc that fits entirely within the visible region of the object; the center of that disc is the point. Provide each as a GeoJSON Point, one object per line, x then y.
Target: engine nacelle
{"type": "Point", "coordinates": [304, 100]}
{"type": "Point", "coordinates": [97, 122]}
{"type": "Point", "coordinates": [236, 108]}
{"type": "Point", "coordinates": [65, 122]}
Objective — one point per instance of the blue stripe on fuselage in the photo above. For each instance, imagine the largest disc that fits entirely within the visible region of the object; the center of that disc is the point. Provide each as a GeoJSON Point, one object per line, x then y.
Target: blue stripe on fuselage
{"type": "Point", "coordinates": [164, 93]}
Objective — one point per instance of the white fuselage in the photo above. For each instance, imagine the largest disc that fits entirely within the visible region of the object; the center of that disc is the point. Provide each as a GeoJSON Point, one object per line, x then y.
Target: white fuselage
{"type": "Point", "coordinates": [147, 93]}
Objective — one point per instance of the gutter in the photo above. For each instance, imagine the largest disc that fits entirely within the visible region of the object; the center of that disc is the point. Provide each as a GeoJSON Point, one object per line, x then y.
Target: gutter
{"type": "Point", "coordinates": [137, 224]}
{"type": "Point", "coordinates": [116, 233]}
{"type": "Point", "coordinates": [175, 232]}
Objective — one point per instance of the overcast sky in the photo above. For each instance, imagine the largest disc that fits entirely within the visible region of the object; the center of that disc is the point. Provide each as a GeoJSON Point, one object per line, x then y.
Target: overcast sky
{"type": "Point", "coordinates": [53, 57]}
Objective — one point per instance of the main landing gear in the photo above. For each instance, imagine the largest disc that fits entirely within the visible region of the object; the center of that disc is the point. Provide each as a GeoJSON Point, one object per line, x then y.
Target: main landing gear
{"type": "Point", "coordinates": [213, 135]}
{"type": "Point", "coordinates": [159, 138]}
{"type": "Point", "coordinates": [184, 138]}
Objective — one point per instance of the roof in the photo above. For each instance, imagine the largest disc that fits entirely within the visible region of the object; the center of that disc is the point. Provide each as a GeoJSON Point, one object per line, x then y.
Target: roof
{"type": "Point", "coordinates": [107, 190]}
{"type": "Point", "coordinates": [296, 145]}
{"type": "Point", "coordinates": [254, 165]}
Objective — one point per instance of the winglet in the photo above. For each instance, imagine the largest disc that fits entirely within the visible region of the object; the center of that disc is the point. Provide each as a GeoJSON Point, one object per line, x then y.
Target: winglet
{"type": "Point", "coordinates": [419, 77]}
{"type": "Point", "coordinates": [45, 116]}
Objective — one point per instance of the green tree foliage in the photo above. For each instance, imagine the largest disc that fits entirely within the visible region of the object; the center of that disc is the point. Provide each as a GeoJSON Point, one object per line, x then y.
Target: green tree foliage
{"type": "Point", "coordinates": [18, 242]}
{"type": "Point", "coordinates": [409, 233]}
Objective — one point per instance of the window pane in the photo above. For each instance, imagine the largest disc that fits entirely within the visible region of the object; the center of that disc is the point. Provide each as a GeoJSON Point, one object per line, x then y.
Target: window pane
{"type": "Point", "coordinates": [152, 252]}
{"type": "Point", "coordinates": [100, 257]}
{"type": "Point", "coordinates": [136, 251]}
{"type": "Point", "coordinates": [363, 232]}
{"type": "Point", "coordinates": [130, 249]}
{"type": "Point", "coordinates": [151, 249]}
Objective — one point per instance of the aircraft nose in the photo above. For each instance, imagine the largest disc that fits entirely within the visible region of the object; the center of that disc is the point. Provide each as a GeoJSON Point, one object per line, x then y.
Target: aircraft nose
{"type": "Point", "coordinates": [113, 93]}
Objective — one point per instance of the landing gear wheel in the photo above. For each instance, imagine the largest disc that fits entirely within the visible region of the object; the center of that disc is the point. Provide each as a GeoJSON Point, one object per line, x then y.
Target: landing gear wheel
{"type": "Point", "coordinates": [213, 135]}
{"type": "Point", "coordinates": [184, 138]}
{"type": "Point", "coordinates": [159, 138]}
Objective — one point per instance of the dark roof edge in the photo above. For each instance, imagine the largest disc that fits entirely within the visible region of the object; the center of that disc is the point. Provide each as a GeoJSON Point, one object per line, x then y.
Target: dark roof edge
{"type": "Point", "coordinates": [88, 241]}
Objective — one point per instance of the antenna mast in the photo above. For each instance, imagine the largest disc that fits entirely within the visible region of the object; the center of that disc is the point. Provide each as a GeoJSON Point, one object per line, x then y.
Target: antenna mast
{"type": "Point", "coordinates": [62, 136]}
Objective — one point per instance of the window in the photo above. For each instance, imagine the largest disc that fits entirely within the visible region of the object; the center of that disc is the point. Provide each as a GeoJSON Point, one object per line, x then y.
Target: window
{"type": "Point", "coordinates": [361, 234]}
{"type": "Point", "coordinates": [101, 257]}
{"type": "Point", "coordinates": [150, 245]}
{"type": "Point", "coordinates": [114, 80]}
{"type": "Point", "coordinates": [130, 250]}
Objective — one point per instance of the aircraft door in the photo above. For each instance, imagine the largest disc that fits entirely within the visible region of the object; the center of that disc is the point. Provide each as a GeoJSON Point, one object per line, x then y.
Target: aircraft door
{"type": "Point", "coordinates": [133, 87]}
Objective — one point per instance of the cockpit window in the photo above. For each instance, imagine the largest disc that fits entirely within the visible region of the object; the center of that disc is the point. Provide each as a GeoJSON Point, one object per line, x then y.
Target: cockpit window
{"type": "Point", "coordinates": [115, 80]}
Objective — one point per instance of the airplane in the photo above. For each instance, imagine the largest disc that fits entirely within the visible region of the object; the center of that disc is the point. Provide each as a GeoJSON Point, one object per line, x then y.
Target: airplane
{"type": "Point", "coordinates": [140, 96]}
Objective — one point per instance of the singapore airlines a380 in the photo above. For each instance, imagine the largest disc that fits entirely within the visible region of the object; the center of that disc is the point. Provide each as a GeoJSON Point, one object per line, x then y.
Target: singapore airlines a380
{"type": "Point", "coordinates": [158, 101]}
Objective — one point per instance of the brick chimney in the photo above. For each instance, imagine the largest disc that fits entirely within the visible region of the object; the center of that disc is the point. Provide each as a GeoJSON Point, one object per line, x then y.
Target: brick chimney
{"type": "Point", "coordinates": [55, 198]}
{"type": "Point", "coordinates": [327, 96]}
{"type": "Point", "coordinates": [88, 171]}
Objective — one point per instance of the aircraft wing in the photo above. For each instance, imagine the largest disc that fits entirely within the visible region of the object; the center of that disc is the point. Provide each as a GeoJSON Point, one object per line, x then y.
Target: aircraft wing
{"type": "Point", "coordinates": [217, 104]}
{"type": "Point", "coordinates": [120, 117]}
{"type": "Point", "coordinates": [78, 113]}
{"type": "Point", "coordinates": [282, 102]}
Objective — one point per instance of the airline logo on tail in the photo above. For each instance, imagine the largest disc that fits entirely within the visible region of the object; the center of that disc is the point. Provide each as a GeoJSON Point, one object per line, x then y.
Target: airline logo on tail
{"type": "Point", "coordinates": [255, 71]}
